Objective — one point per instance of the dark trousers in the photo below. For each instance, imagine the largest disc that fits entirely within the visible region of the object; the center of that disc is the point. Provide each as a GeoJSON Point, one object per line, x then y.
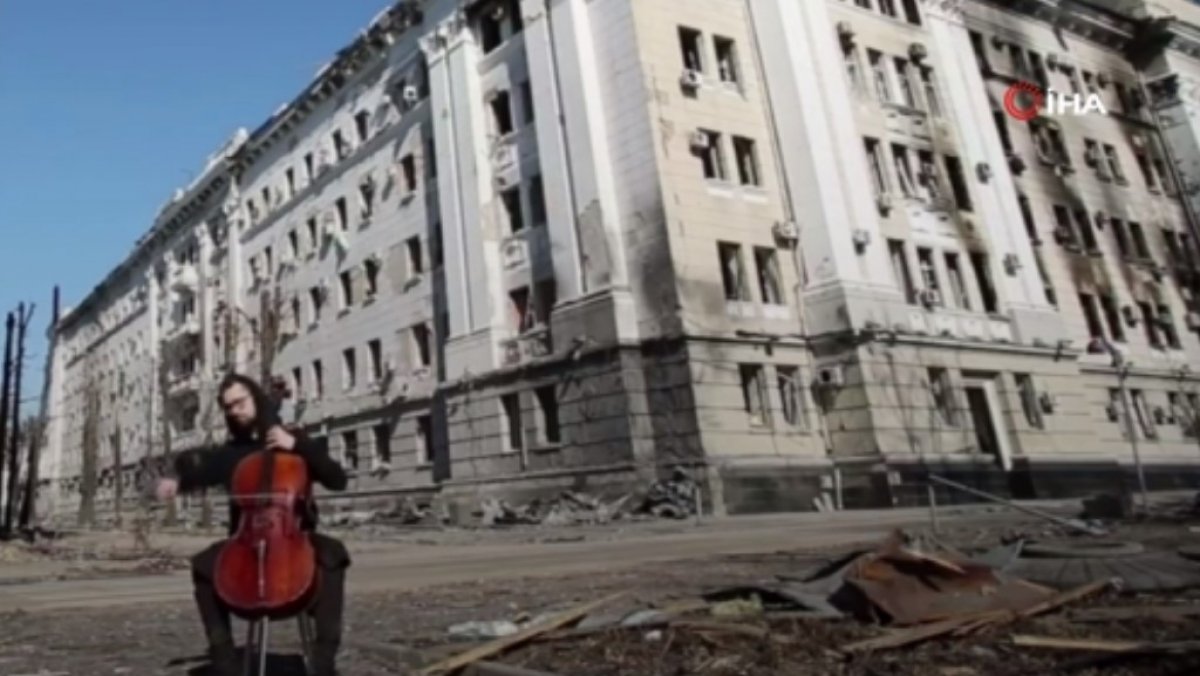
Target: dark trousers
{"type": "Point", "coordinates": [326, 610]}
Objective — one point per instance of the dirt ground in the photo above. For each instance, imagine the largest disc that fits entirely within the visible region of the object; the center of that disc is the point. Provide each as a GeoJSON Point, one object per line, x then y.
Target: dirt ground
{"type": "Point", "coordinates": [389, 633]}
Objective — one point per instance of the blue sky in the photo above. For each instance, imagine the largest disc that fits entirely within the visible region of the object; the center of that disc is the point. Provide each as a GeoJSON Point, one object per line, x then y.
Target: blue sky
{"type": "Point", "coordinates": [107, 107]}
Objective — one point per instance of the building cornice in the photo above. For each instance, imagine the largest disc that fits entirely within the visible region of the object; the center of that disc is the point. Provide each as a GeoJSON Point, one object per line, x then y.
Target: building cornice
{"type": "Point", "coordinates": [367, 50]}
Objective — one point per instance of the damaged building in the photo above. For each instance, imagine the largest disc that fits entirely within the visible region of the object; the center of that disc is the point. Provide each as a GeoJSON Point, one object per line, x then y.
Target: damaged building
{"type": "Point", "coordinates": [796, 248]}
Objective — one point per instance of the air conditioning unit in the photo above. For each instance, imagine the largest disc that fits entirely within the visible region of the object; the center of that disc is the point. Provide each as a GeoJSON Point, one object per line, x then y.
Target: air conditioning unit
{"type": "Point", "coordinates": [698, 140]}
{"type": "Point", "coordinates": [1052, 60]}
{"type": "Point", "coordinates": [930, 298]}
{"type": "Point", "coordinates": [410, 95]}
{"type": "Point", "coordinates": [1012, 264]}
{"type": "Point", "coordinates": [918, 52]}
{"type": "Point", "coordinates": [829, 376]}
{"type": "Point", "coordinates": [691, 79]}
{"type": "Point", "coordinates": [786, 230]}
{"type": "Point", "coordinates": [845, 30]}
{"type": "Point", "coordinates": [861, 238]}
{"type": "Point", "coordinates": [1102, 79]}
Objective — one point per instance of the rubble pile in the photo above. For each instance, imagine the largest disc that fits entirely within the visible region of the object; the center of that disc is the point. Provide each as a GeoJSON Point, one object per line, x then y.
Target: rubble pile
{"type": "Point", "coordinates": [848, 616]}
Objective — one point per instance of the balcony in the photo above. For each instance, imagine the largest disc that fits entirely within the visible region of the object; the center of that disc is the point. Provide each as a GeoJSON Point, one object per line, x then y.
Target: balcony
{"type": "Point", "coordinates": [185, 278]}
{"type": "Point", "coordinates": [184, 328]}
{"type": "Point", "coordinates": [183, 383]}
{"type": "Point", "coordinates": [533, 344]}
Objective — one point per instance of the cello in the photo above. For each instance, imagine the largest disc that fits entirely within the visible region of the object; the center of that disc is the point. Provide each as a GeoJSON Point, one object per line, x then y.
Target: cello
{"type": "Point", "coordinates": [267, 569]}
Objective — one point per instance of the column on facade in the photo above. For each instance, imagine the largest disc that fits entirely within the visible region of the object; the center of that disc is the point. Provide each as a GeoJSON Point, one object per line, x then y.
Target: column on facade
{"type": "Point", "coordinates": [234, 220]}
{"type": "Point", "coordinates": [823, 155]}
{"type": "Point", "coordinates": [986, 166]}
{"type": "Point", "coordinates": [204, 297]}
{"type": "Point", "coordinates": [581, 199]}
{"type": "Point", "coordinates": [466, 196]}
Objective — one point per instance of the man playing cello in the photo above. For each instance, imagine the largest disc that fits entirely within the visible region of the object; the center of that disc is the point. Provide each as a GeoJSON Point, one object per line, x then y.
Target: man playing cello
{"type": "Point", "coordinates": [245, 403]}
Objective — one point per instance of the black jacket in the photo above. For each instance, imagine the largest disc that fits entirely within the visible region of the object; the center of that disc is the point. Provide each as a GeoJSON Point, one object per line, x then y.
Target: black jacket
{"type": "Point", "coordinates": [214, 467]}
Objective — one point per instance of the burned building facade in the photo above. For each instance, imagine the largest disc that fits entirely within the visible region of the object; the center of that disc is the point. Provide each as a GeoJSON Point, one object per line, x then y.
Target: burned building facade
{"type": "Point", "coordinates": [798, 248]}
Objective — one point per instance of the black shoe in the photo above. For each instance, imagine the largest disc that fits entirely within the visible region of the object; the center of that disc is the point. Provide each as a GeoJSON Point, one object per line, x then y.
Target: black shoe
{"type": "Point", "coordinates": [223, 661]}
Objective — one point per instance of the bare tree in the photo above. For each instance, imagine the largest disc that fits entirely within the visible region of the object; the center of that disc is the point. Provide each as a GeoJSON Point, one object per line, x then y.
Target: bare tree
{"type": "Point", "coordinates": [164, 377]}
{"type": "Point", "coordinates": [118, 473]}
{"type": "Point", "coordinates": [90, 442]}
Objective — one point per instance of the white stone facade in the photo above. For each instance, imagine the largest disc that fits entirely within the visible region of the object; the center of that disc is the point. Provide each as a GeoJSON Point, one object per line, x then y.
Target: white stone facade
{"type": "Point", "coordinates": [522, 244]}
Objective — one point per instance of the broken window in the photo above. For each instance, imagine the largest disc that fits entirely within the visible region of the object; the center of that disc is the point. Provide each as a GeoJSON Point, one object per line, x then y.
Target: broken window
{"type": "Point", "coordinates": [1029, 400]}
{"type": "Point", "coordinates": [928, 182]}
{"type": "Point", "coordinates": [361, 120]}
{"type": "Point", "coordinates": [296, 312]}
{"type": "Point", "coordinates": [545, 296]}
{"type": "Point", "coordinates": [350, 448]}
{"type": "Point", "coordinates": [308, 166]}
{"type": "Point", "coordinates": [1140, 247]}
{"type": "Point", "coordinates": [1065, 232]}
{"type": "Point", "coordinates": [290, 177]}
{"type": "Point", "coordinates": [382, 435]}
{"type": "Point", "coordinates": [958, 183]}
{"type": "Point", "coordinates": [770, 285]}
{"type": "Point", "coordinates": [340, 146]}
{"type": "Point", "coordinates": [343, 220]}
{"type": "Point", "coordinates": [904, 170]}
{"type": "Point", "coordinates": [318, 379]}
{"type": "Point", "coordinates": [712, 157]}
{"type": "Point", "coordinates": [371, 269]}
{"type": "Point", "coordinates": [537, 201]}
{"type": "Point", "coordinates": [375, 359]}
{"type": "Point", "coordinates": [1120, 235]}
{"type": "Point", "coordinates": [1149, 324]}
{"type": "Point", "coordinates": [293, 244]}
{"type": "Point", "coordinates": [313, 239]}
{"type": "Point", "coordinates": [908, 94]}
{"type": "Point", "coordinates": [1114, 164]}
{"type": "Point", "coordinates": [932, 102]}
{"type": "Point", "coordinates": [298, 382]}
{"type": "Point", "coordinates": [879, 75]}
{"type": "Point", "coordinates": [1167, 324]}
{"type": "Point", "coordinates": [754, 392]}
{"type": "Point", "coordinates": [349, 369]}
{"type": "Point", "coordinates": [747, 161]}
{"type": "Point", "coordinates": [416, 262]}
{"type": "Point", "coordinates": [983, 277]}
{"type": "Point", "coordinates": [733, 271]}
{"type": "Point", "coordinates": [502, 117]}
{"type": "Point", "coordinates": [1001, 119]}
{"type": "Point", "coordinates": [911, 13]}
{"type": "Point", "coordinates": [875, 162]}
{"type": "Point", "coordinates": [347, 286]}
{"type": "Point", "coordinates": [511, 201]}
{"type": "Point", "coordinates": [853, 70]}
{"type": "Point", "coordinates": [408, 169]}
{"type": "Point", "coordinates": [421, 338]}
{"type": "Point", "coordinates": [425, 439]}
{"type": "Point", "coordinates": [511, 406]}
{"type": "Point", "coordinates": [1084, 223]}
{"type": "Point", "coordinates": [691, 48]}
{"type": "Point", "coordinates": [791, 395]}
{"type": "Point", "coordinates": [1112, 317]}
{"type": "Point", "coordinates": [942, 391]}
{"type": "Point", "coordinates": [316, 298]}
{"type": "Point", "coordinates": [727, 66]}
{"type": "Point", "coordinates": [900, 270]}
{"type": "Point", "coordinates": [430, 156]}
{"type": "Point", "coordinates": [958, 286]}
{"type": "Point", "coordinates": [548, 407]}
{"type": "Point", "coordinates": [929, 276]}
{"type": "Point", "coordinates": [522, 319]}
{"type": "Point", "coordinates": [366, 195]}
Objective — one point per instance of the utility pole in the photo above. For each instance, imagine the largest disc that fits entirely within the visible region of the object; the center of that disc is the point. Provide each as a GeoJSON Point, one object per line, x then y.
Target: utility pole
{"type": "Point", "coordinates": [14, 456]}
{"type": "Point", "coordinates": [4, 389]}
{"type": "Point", "coordinates": [38, 435]}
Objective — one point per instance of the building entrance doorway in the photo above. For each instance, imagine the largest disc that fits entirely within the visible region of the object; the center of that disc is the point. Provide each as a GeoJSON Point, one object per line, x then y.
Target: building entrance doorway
{"type": "Point", "coordinates": [983, 407]}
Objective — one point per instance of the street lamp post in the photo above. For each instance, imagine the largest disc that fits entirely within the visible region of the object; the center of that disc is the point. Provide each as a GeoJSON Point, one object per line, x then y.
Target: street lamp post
{"type": "Point", "coordinates": [1131, 430]}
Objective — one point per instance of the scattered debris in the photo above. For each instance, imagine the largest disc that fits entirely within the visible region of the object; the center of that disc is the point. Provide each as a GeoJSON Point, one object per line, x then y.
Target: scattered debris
{"type": "Point", "coordinates": [674, 498]}
{"type": "Point", "coordinates": [1107, 507]}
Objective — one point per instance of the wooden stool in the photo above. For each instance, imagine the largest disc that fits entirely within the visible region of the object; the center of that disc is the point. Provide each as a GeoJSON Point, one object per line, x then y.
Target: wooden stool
{"type": "Point", "coordinates": [256, 644]}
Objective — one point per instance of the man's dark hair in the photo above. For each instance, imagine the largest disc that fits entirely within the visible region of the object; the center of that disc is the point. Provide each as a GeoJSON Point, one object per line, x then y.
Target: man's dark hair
{"type": "Point", "coordinates": [265, 415]}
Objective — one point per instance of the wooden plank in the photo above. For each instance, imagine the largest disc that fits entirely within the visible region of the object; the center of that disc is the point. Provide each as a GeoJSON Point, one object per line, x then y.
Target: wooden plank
{"type": "Point", "coordinates": [1069, 596]}
{"type": "Point", "coordinates": [1162, 613]}
{"type": "Point", "coordinates": [1094, 645]}
{"type": "Point", "coordinates": [504, 643]}
{"type": "Point", "coordinates": [498, 669]}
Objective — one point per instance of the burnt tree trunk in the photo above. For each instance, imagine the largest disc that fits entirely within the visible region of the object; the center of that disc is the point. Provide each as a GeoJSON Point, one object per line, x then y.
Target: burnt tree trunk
{"type": "Point", "coordinates": [90, 442]}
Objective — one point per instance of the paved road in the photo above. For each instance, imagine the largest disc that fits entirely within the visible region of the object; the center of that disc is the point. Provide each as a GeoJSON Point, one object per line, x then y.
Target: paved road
{"type": "Point", "coordinates": [399, 566]}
